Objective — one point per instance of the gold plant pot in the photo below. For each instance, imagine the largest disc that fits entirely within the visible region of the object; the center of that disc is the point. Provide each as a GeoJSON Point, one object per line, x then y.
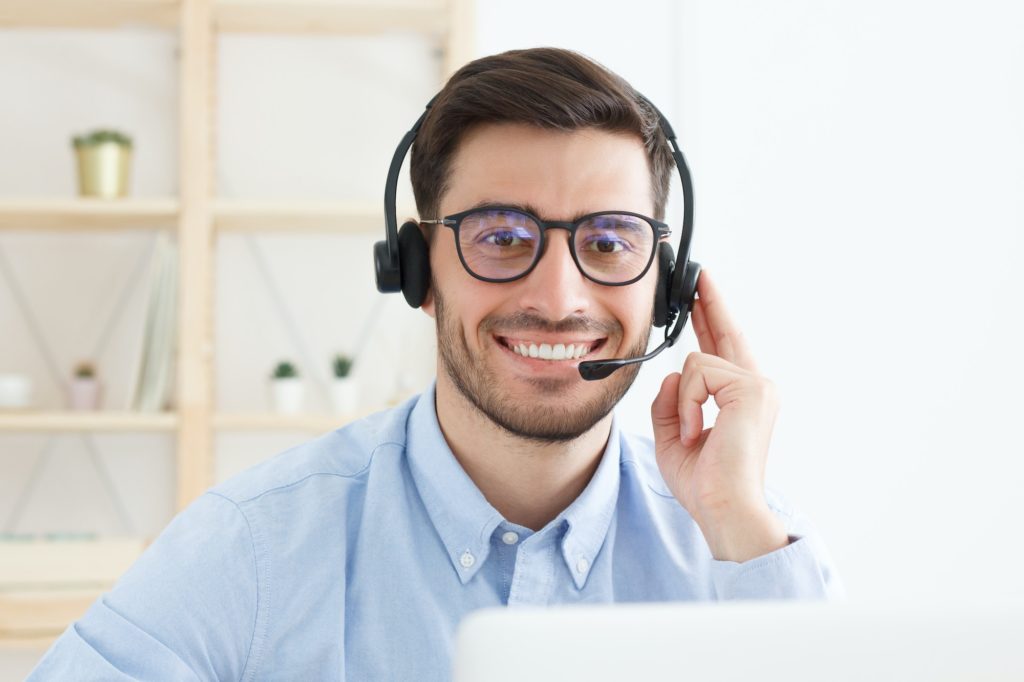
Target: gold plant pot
{"type": "Point", "coordinates": [103, 169]}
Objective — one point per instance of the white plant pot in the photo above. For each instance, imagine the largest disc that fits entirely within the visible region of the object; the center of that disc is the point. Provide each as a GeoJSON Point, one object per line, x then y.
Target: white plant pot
{"type": "Point", "coordinates": [288, 395]}
{"type": "Point", "coordinates": [85, 394]}
{"type": "Point", "coordinates": [15, 390]}
{"type": "Point", "coordinates": [345, 395]}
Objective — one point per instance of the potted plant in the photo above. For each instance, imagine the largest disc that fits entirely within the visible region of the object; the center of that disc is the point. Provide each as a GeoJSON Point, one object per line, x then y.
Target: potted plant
{"type": "Point", "coordinates": [104, 161]}
{"type": "Point", "coordinates": [85, 388]}
{"type": "Point", "coordinates": [344, 390]}
{"type": "Point", "coordinates": [286, 389]}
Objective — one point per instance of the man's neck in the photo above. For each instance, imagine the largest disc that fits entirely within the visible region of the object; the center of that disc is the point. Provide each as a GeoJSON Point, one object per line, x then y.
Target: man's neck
{"type": "Point", "coordinates": [528, 482]}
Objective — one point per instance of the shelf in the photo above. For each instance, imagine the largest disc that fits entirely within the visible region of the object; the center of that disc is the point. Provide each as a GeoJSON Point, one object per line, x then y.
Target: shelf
{"type": "Point", "coordinates": [329, 16]}
{"type": "Point", "coordinates": [43, 565]}
{"type": "Point", "coordinates": [88, 13]}
{"type": "Point", "coordinates": [33, 619]}
{"type": "Point", "coordinates": [341, 17]}
{"type": "Point", "coordinates": [44, 585]}
{"type": "Point", "coordinates": [87, 214]}
{"type": "Point", "coordinates": [345, 217]}
{"type": "Point", "coordinates": [26, 420]}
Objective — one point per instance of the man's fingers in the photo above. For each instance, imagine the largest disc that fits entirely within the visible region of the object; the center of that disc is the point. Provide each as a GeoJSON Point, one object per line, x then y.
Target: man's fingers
{"type": "Point", "coordinates": [677, 411]}
{"type": "Point", "coordinates": [704, 376]}
{"type": "Point", "coordinates": [665, 411]}
{"type": "Point", "coordinates": [727, 339]}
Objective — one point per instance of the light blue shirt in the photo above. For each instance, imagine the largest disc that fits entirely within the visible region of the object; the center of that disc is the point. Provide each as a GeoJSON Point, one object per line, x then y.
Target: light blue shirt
{"type": "Point", "coordinates": [354, 556]}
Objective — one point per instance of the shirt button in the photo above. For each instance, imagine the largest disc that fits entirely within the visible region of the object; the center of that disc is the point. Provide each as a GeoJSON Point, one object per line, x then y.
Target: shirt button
{"type": "Point", "coordinates": [510, 538]}
{"type": "Point", "coordinates": [582, 565]}
{"type": "Point", "coordinates": [467, 559]}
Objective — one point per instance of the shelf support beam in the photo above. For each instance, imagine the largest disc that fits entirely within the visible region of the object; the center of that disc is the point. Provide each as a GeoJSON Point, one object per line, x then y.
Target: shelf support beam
{"type": "Point", "coordinates": [195, 345]}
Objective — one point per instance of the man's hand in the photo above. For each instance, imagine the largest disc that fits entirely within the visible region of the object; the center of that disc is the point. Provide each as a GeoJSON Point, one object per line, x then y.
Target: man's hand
{"type": "Point", "coordinates": [717, 474]}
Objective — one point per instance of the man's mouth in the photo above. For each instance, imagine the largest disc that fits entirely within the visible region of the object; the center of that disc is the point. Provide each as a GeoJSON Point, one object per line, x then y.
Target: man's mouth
{"type": "Point", "coordinates": [567, 349]}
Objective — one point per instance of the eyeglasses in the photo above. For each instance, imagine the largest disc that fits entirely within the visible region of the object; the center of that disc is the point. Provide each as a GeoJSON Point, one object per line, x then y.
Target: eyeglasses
{"type": "Point", "coordinates": [502, 244]}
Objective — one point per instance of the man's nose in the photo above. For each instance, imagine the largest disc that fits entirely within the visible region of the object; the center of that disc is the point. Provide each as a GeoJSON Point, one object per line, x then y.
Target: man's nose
{"type": "Point", "coordinates": [556, 288]}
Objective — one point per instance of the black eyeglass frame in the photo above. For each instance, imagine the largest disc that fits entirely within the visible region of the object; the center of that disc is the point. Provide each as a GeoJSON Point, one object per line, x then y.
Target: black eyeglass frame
{"type": "Point", "coordinates": [454, 221]}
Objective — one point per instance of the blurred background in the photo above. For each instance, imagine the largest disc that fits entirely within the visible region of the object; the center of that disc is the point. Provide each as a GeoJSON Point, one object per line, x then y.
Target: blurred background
{"type": "Point", "coordinates": [858, 171]}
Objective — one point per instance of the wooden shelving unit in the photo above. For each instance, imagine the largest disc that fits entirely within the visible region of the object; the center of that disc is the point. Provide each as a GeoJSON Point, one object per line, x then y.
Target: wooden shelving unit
{"type": "Point", "coordinates": [87, 421]}
{"type": "Point", "coordinates": [88, 214]}
{"type": "Point", "coordinates": [33, 612]}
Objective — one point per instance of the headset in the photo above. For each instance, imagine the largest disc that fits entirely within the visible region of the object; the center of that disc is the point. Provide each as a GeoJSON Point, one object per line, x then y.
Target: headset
{"type": "Point", "coordinates": [402, 261]}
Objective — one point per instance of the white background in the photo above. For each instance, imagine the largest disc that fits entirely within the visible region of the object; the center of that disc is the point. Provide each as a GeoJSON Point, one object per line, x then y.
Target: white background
{"type": "Point", "coordinates": [858, 169]}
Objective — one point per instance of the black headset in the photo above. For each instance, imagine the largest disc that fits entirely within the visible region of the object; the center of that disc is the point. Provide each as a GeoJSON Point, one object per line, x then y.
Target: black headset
{"type": "Point", "coordinates": [402, 261]}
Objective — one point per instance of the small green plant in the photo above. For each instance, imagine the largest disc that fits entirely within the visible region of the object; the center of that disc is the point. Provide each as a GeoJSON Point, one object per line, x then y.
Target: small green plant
{"type": "Point", "coordinates": [285, 370]}
{"type": "Point", "coordinates": [342, 365]}
{"type": "Point", "coordinates": [85, 370]}
{"type": "Point", "coordinates": [99, 137]}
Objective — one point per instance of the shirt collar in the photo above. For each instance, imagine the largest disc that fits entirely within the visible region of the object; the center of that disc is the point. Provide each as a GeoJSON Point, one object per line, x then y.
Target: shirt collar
{"type": "Point", "coordinates": [461, 514]}
{"type": "Point", "coordinates": [464, 518]}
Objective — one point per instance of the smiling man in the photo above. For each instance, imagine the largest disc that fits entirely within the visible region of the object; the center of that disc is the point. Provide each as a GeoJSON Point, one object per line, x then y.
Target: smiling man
{"type": "Point", "coordinates": [541, 181]}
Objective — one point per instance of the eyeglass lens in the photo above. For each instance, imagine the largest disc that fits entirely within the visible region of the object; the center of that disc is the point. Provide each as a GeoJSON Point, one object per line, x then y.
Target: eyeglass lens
{"type": "Point", "coordinates": [501, 244]}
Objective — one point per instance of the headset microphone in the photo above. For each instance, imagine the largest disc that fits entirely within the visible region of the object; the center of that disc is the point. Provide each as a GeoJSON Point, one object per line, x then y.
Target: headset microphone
{"type": "Point", "coordinates": [601, 369]}
{"type": "Point", "coordinates": [593, 370]}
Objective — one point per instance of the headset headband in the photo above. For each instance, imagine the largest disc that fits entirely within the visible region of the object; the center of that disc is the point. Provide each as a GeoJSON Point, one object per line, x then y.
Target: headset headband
{"type": "Point", "coordinates": [682, 281]}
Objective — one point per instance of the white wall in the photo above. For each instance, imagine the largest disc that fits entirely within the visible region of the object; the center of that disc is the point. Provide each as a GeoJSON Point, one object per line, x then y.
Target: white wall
{"type": "Point", "coordinates": [859, 172]}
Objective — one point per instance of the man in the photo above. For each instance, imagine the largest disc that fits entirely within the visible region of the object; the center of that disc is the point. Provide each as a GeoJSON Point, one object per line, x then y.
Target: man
{"type": "Point", "coordinates": [508, 481]}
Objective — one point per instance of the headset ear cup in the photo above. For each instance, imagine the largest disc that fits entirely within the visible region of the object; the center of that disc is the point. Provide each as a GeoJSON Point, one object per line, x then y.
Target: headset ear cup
{"type": "Point", "coordinates": [414, 255]}
{"type": "Point", "coordinates": [666, 265]}
{"type": "Point", "coordinates": [684, 288]}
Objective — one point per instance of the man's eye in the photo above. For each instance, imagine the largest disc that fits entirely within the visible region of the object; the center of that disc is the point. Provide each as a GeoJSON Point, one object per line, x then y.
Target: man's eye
{"type": "Point", "coordinates": [503, 238]}
{"type": "Point", "coordinates": [606, 245]}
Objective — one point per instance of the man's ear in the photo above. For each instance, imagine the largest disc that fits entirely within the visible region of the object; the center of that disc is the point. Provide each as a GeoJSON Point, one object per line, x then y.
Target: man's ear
{"type": "Point", "coordinates": [428, 300]}
{"type": "Point", "coordinates": [428, 303]}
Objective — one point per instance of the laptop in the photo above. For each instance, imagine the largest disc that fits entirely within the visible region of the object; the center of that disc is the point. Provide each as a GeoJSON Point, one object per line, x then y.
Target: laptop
{"type": "Point", "coordinates": [727, 641]}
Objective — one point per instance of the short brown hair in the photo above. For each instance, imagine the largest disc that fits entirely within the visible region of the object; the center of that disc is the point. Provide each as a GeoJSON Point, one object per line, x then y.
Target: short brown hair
{"type": "Point", "coordinates": [546, 87]}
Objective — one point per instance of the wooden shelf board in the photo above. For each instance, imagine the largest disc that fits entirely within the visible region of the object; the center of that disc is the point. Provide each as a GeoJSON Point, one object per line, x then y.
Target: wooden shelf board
{"type": "Point", "coordinates": [34, 618]}
{"type": "Point", "coordinates": [345, 217]}
{"type": "Point", "coordinates": [352, 17]}
{"type": "Point", "coordinates": [85, 213]}
{"type": "Point", "coordinates": [88, 13]}
{"type": "Point", "coordinates": [100, 420]}
{"type": "Point", "coordinates": [45, 585]}
{"type": "Point", "coordinates": [46, 565]}
{"type": "Point", "coordinates": [18, 640]}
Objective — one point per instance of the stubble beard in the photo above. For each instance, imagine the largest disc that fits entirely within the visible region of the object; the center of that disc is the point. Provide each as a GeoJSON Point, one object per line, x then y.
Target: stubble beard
{"type": "Point", "coordinates": [537, 421]}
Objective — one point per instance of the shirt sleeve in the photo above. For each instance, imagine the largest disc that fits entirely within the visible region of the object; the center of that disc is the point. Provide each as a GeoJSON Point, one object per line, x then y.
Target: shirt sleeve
{"type": "Point", "coordinates": [803, 569]}
{"type": "Point", "coordinates": [186, 610]}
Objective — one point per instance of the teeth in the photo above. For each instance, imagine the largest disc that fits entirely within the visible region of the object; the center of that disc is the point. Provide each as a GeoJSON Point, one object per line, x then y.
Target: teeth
{"type": "Point", "coordinates": [547, 351]}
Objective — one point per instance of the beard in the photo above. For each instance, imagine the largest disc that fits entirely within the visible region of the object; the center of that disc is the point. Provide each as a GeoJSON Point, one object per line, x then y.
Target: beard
{"type": "Point", "coordinates": [538, 421]}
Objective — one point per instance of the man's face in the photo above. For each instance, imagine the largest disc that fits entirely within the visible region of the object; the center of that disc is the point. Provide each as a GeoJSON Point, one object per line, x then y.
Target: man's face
{"type": "Point", "coordinates": [560, 176]}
